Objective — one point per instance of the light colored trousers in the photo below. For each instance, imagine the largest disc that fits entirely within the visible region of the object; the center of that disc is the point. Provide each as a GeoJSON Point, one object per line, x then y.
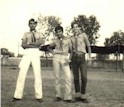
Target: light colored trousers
{"type": "Point", "coordinates": [31, 56]}
{"type": "Point", "coordinates": [60, 62]}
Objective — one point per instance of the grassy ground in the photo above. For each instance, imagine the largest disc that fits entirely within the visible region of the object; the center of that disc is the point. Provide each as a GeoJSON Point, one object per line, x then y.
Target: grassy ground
{"type": "Point", "coordinates": [105, 89]}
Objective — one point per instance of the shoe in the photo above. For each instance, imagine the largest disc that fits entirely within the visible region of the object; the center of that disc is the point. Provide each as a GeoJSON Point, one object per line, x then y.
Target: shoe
{"type": "Point", "coordinates": [84, 100]}
{"type": "Point", "coordinates": [57, 99]}
{"type": "Point", "coordinates": [69, 101]}
{"type": "Point", "coordinates": [15, 99]}
{"type": "Point", "coordinates": [77, 99]}
{"type": "Point", "coordinates": [40, 100]}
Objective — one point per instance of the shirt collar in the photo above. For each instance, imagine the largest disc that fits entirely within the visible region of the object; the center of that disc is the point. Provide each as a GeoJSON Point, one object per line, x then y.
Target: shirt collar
{"type": "Point", "coordinates": [76, 35]}
{"type": "Point", "coordinates": [33, 31]}
{"type": "Point", "coordinates": [61, 37]}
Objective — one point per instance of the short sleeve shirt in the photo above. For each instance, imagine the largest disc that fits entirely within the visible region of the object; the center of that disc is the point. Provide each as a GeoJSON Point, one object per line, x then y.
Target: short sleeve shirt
{"type": "Point", "coordinates": [65, 45]}
{"type": "Point", "coordinates": [28, 36]}
{"type": "Point", "coordinates": [81, 44]}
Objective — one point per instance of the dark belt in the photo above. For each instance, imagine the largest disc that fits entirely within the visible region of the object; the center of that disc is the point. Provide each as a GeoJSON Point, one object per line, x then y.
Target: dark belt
{"type": "Point", "coordinates": [60, 53]}
{"type": "Point", "coordinates": [78, 54]}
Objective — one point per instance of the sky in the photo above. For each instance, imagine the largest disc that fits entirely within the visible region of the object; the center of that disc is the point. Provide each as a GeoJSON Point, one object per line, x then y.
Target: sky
{"type": "Point", "coordinates": [14, 16]}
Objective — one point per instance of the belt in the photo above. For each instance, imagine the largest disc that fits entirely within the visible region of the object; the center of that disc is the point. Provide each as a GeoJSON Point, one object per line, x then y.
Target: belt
{"type": "Point", "coordinates": [60, 53]}
{"type": "Point", "coordinates": [78, 54]}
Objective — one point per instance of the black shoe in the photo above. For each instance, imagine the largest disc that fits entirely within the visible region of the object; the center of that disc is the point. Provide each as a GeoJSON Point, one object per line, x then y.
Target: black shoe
{"type": "Point", "coordinates": [57, 99]}
{"type": "Point", "coordinates": [77, 99]}
{"type": "Point", "coordinates": [40, 100]}
{"type": "Point", "coordinates": [84, 100]}
{"type": "Point", "coordinates": [15, 99]}
{"type": "Point", "coordinates": [69, 101]}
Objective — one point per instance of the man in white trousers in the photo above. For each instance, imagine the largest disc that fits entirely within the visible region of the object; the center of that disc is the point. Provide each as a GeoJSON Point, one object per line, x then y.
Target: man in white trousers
{"type": "Point", "coordinates": [61, 65]}
{"type": "Point", "coordinates": [30, 42]}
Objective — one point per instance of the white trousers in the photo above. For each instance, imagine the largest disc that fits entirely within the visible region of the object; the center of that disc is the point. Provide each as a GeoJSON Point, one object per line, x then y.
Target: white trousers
{"type": "Point", "coordinates": [60, 62]}
{"type": "Point", "coordinates": [31, 56]}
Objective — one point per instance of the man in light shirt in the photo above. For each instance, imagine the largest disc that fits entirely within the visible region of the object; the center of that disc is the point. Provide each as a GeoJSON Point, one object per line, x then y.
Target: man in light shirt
{"type": "Point", "coordinates": [30, 42]}
{"type": "Point", "coordinates": [61, 61]}
{"type": "Point", "coordinates": [79, 43]}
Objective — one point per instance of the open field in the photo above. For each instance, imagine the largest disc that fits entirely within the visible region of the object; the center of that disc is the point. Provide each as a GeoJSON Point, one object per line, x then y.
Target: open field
{"type": "Point", "coordinates": [105, 88]}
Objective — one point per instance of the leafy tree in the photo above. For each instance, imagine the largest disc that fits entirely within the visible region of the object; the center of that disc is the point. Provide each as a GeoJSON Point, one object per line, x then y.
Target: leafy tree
{"type": "Point", "coordinates": [68, 31]}
{"type": "Point", "coordinates": [53, 21]}
{"type": "Point", "coordinates": [103, 56]}
{"type": "Point", "coordinates": [90, 26]}
{"type": "Point", "coordinates": [117, 38]}
{"type": "Point", "coordinates": [107, 42]}
{"type": "Point", "coordinates": [5, 52]}
{"type": "Point", "coordinates": [48, 23]}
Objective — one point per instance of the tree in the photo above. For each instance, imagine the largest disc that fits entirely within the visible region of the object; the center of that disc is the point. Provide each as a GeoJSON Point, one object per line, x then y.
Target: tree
{"type": "Point", "coordinates": [68, 31]}
{"type": "Point", "coordinates": [103, 56]}
{"type": "Point", "coordinates": [90, 26]}
{"type": "Point", "coordinates": [117, 38]}
{"type": "Point", "coordinates": [6, 52]}
{"type": "Point", "coordinates": [107, 42]}
{"type": "Point", "coordinates": [48, 23]}
{"type": "Point", "coordinates": [53, 21]}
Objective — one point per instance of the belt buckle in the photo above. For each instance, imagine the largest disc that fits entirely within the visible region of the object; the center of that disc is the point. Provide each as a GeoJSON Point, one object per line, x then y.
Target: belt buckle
{"type": "Point", "coordinates": [79, 55]}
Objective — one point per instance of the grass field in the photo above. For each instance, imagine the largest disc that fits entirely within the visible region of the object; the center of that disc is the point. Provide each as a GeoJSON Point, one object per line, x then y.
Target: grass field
{"type": "Point", "coordinates": [105, 88]}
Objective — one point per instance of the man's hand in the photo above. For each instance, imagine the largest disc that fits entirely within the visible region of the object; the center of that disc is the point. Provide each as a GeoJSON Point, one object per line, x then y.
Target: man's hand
{"type": "Point", "coordinates": [35, 43]}
{"type": "Point", "coordinates": [89, 61]}
{"type": "Point", "coordinates": [68, 60]}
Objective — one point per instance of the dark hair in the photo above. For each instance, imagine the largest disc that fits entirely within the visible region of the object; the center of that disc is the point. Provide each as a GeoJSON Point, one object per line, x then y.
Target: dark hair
{"type": "Point", "coordinates": [58, 28]}
{"type": "Point", "coordinates": [75, 22]}
{"type": "Point", "coordinates": [32, 20]}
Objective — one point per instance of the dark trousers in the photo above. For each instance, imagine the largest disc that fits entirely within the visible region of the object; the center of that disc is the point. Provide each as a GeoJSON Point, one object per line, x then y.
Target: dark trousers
{"type": "Point", "coordinates": [78, 64]}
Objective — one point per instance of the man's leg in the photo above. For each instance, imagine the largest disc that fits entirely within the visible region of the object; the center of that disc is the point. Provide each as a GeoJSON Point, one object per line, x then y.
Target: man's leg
{"type": "Point", "coordinates": [21, 77]}
{"type": "Point", "coordinates": [56, 66]}
{"type": "Point", "coordinates": [67, 76]}
{"type": "Point", "coordinates": [83, 70]}
{"type": "Point", "coordinates": [75, 70]}
{"type": "Point", "coordinates": [38, 80]}
{"type": "Point", "coordinates": [83, 77]}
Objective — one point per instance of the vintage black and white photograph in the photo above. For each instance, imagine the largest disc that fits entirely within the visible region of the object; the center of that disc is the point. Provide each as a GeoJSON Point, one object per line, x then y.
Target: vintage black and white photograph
{"type": "Point", "coordinates": [62, 53]}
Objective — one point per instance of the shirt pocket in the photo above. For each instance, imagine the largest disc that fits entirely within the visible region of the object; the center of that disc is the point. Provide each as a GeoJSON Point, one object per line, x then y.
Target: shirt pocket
{"type": "Point", "coordinates": [28, 40]}
{"type": "Point", "coordinates": [80, 41]}
{"type": "Point", "coordinates": [37, 39]}
{"type": "Point", "coordinates": [65, 44]}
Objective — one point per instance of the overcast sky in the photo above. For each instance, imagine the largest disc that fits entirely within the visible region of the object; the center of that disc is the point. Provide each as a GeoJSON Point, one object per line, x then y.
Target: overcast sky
{"type": "Point", "coordinates": [14, 16]}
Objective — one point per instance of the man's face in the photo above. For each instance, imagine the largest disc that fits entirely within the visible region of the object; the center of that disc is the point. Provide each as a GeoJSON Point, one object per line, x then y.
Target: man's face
{"type": "Point", "coordinates": [32, 25]}
{"type": "Point", "coordinates": [76, 28]}
{"type": "Point", "coordinates": [59, 33]}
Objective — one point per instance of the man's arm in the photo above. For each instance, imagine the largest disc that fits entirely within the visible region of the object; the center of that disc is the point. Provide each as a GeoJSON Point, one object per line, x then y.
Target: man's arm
{"type": "Point", "coordinates": [88, 45]}
{"type": "Point", "coordinates": [70, 49]}
{"type": "Point", "coordinates": [27, 45]}
{"type": "Point", "coordinates": [51, 47]}
{"type": "Point", "coordinates": [38, 42]}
